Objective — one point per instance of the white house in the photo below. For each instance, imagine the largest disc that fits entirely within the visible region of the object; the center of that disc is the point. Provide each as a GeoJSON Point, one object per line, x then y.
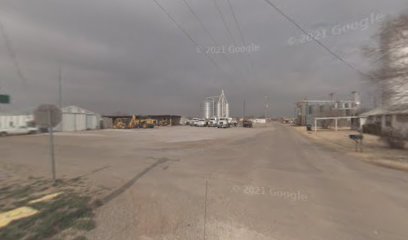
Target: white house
{"type": "Point", "coordinates": [393, 114]}
{"type": "Point", "coordinates": [388, 118]}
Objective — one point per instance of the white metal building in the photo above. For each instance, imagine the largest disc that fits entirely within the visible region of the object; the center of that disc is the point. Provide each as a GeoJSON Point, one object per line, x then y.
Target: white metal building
{"type": "Point", "coordinates": [75, 118]}
{"type": "Point", "coordinates": [15, 121]}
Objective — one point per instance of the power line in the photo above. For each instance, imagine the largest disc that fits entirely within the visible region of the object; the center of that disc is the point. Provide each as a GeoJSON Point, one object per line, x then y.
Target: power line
{"type": "Point", "coordinates": [242, 36]}
{"type": "Point", "coordinates": [200, 22]}
{"type": "Point", "coordinates": [12, 53]}
{"type": "Point", "coordinates": [204, 28]}
{"type": "Point", "coordinates": [237, 23]}
{"type": "Point", "coordinates": [186, 33]}
{"type": "Point", "coordinates": [291, 20]}
{"type": "Point", "coordinates": [224, 21]}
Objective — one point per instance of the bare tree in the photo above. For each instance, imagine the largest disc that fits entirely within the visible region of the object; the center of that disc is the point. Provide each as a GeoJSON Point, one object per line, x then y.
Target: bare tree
{"type": "Point", "coordinates": [390, 62]}
{"type": "Point", "coordinates": [390, 74]}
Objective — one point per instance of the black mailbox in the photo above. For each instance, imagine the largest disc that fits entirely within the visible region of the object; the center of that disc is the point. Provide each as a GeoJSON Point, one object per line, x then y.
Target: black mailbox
{"type": "Point", "coordinates": [356, 137]}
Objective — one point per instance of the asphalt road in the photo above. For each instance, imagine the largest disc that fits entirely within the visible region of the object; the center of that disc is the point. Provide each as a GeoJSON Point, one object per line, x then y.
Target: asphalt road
{"type": "Point", "coordinates": [270, 184]}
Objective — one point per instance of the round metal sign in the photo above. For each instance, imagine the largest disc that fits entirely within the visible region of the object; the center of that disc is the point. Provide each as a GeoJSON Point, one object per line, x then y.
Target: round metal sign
{"type": "Point", "coordinates": [47, 115]}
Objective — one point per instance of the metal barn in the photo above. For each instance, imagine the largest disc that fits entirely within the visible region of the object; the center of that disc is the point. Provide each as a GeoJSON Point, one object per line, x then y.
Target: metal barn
{"type": "Point", "coordinates": [75, 118]}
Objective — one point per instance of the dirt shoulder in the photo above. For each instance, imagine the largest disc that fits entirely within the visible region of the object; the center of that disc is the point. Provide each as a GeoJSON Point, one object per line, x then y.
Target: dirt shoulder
{"type": "Point", "coordinates": [374, 151]}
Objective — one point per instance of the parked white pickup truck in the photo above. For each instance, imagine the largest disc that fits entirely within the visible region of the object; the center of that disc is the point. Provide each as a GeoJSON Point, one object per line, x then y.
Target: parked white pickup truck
{"type": "Point", "coordinates": [223, 123]}
{"type": "Point", "coordinates": [18, 131]}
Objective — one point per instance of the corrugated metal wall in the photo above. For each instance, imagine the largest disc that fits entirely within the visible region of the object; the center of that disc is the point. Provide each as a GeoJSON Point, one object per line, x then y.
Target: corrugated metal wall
{"type": "Point", "coordinates": [78, 119]}
{"type": "Point", "coordinates": [73, 119]}
{"type": "Point", "coordinates": [15, 121]}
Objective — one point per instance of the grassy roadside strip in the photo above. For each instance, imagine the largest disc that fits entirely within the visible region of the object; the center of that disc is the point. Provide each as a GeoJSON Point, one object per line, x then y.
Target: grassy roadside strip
{"type": "Point", "coordinates": [374, 153]}
{"type": "Point", "coordinates": [67, 216]}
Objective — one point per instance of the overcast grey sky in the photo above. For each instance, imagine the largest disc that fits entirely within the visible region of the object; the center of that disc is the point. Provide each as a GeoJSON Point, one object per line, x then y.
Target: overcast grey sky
{"type": "Point", "coordinates": [128, 56]}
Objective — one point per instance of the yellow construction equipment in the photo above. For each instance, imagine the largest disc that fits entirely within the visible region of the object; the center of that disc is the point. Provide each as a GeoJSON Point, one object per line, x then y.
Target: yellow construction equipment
{"type": "Point", "coordinates": [134, 123]}
{"type": "Point", "coordinates": [149, 123]}
{"type": "Point", "coordinates": [141, 123]}
{"type": "Point", "coordinates": [164, 122]}
{"type": "Point", "coordinates": [119, 123]}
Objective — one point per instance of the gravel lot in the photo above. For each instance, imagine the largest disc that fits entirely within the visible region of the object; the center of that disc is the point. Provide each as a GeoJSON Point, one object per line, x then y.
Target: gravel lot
{"type": "Point", "coordinates": [204, 183]}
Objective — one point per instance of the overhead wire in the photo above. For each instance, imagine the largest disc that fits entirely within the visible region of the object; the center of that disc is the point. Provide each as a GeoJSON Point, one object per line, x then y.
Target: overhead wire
{"type": "Point", "coordinates": [243, 40]}
{"type": "Point", "coordinates": [319, 43]}
{"type": "Point", "coordinates": [241, 34]}
{"type": "Point", "coordinates": [186, 34]}
{"type": "Point", "coordinates": [216, 44]}
{"type": "Point", "coordinates": [236, 22]}
{"type": "Point", "coordinates": [12, 53]}
{"type": "Point", "coordinates": [190, 8]}
{"type": "Point", "coordinates": [224, 20]}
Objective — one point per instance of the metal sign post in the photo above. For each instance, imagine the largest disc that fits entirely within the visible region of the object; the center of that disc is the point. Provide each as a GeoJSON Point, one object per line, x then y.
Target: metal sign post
{"type": "Point", "coordinates": [49, 116]}
{"type": "Point", "coordinates": [52, 154]}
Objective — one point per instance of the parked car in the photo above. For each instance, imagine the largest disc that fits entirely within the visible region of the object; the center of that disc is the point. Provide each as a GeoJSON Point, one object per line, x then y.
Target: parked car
{"type": "Point", "coordinates": [194, 121]}
{"type": "Point", "coordinates": [18, 131]}
{"type": "Point", "coordinates": [201, 123]}
{"type": "Point", "coordinates": [212, 122]}
{"type": "Point", "coordinates": [247, 124]}
{"type": "Point", "coordinates": [233, 122]}
{"type": "Point", "coordinates": [223, 123]}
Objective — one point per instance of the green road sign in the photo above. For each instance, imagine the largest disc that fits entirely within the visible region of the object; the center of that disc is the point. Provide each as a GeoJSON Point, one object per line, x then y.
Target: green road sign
{"type": "Point", "coordinates": [5, 99]}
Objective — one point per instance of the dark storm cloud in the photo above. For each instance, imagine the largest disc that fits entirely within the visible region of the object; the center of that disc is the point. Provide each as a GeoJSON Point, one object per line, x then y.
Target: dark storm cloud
{"type": "Point", "coordinates": [127, 56]}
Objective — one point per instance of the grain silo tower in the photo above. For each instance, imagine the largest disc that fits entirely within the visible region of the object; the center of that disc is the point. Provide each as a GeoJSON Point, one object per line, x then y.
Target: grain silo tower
{"type": "Point", "coordinates": [207, 108]}
{"type": "Point", "coordinates": [222, 106]}
{"type": "Point", "coordinates": [215, 107]}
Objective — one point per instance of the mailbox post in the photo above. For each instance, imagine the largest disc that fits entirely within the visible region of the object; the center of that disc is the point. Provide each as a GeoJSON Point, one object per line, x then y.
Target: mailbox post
{"type": "Point", "coordinates": [358, 139]}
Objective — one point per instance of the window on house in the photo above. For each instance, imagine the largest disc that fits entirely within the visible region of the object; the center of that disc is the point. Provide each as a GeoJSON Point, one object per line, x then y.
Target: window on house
{"type": "Point", "coordinates": [402, 118]}
{"type": "Point", "coordinates": [388, 121]}
{"type": "Point", "coordinates": [378, 119]}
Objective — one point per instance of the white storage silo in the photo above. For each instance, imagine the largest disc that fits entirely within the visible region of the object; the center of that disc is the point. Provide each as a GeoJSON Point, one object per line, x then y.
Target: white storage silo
{"type": "Point", "coordinates": [207, 108]}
